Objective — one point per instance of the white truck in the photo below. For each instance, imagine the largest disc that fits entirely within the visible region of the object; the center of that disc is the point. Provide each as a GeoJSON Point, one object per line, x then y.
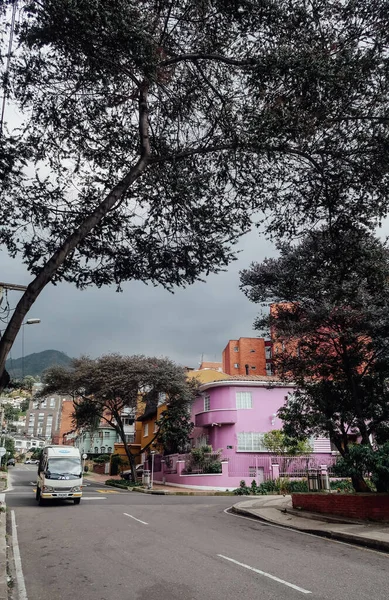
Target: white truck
{"type": "Point", "coordinates": [59, 474]}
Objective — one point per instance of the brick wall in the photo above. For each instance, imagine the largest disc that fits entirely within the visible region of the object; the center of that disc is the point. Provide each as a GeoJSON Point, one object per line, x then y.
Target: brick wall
{"type": "Point", "coordinates": [99, 468]}
{"type": "Point", "coordinates": [251, 352]}
{"type": "Point", "coordinates": [373, 507]}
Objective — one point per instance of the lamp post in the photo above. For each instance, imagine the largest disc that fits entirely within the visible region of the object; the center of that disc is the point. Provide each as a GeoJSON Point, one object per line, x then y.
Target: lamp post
{"type": "Point", "coordinates": [152, 452]}
{"type": "Point", "coordinates": [28, 322]}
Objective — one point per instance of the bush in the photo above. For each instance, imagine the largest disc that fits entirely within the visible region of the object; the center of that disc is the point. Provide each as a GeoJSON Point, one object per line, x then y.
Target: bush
{"type": "Point", "coordinates": [242, 490]}
{"type": "Point", "coordinates": [365, 462]}
{"type": "Point", "coordinates": [102, 459]}
{"type": "Point", "coordinates": [297, 486]}
{"type": "Point", "coordinates": [214, 466]}
{"type": "Point", "coordinates": [121, 483]}
{"type": "Point", "coordinates": [342, 485]}
{"type": "Point", "coordinates": [271, 486]}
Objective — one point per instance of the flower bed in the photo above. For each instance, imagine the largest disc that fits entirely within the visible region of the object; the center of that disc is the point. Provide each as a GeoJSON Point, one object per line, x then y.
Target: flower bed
{"type": "Point", "coordinates": [372, 507]}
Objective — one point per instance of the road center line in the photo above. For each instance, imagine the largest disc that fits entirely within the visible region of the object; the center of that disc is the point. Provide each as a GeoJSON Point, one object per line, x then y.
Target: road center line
{"type": "Point", "coordinates": [291, 585]}
{"type": "Point", "coordinates": [17, 560]}
{"type": "Point", "coordinates": [143, 522]}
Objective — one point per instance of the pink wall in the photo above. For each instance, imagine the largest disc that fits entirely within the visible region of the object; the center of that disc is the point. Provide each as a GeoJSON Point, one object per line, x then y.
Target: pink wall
{"type": "Point", "coordinates": [266, 402]}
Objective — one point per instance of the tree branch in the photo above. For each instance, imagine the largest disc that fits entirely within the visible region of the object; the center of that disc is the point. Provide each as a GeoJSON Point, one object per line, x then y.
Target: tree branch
{"type": "Point", "coordinates": [194, 56]}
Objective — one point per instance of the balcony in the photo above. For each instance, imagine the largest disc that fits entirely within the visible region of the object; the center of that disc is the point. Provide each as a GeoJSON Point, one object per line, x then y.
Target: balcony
{"type": "Point", "coordinates": [222, 416]}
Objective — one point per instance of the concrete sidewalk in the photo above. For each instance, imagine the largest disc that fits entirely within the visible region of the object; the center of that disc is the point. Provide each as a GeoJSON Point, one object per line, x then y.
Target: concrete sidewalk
{"type": "Point", "coordinates": [279, 511]}
{"type": "Point", "coordinates": [158, 489]}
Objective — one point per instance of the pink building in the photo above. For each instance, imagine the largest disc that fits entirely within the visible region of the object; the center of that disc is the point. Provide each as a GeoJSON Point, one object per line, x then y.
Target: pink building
{"type": "Point", "coordinates": [232, 416]}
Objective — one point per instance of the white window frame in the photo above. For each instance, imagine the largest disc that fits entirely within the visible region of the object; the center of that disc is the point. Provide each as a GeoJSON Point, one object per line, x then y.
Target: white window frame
{"type": "Point", "coordinates": [145, 430]}
{"type": "Point", "coordinates": [244, 400]}
{"type": "Point", "coordinates": [207, 403]}
{"type": "Point", "coordinates": [236, 365]}
{"type": "Point", "coordinates": [250, 441]}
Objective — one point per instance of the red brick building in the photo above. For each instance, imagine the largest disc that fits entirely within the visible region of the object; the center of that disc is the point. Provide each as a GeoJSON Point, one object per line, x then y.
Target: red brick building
{"type": "Point", "coordinates": [247, 356]}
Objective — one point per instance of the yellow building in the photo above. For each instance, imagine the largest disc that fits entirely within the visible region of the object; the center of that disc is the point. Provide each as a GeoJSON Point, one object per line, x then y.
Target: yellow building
{"type": "Point", "coordinates": [147, 421]}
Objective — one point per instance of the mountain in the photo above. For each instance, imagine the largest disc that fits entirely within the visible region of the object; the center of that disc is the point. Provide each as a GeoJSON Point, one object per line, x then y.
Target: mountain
{"type": "Point", "coordinates": [35, 364]}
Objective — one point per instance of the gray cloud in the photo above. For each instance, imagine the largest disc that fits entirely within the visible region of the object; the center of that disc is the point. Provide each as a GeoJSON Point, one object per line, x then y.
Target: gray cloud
{"type": "Point", "coordinates": [143, 319]}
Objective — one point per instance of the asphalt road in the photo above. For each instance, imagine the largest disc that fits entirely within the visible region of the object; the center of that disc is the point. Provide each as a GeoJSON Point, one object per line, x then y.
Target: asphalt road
{"type": "Point", "coordinates": [127, 546]}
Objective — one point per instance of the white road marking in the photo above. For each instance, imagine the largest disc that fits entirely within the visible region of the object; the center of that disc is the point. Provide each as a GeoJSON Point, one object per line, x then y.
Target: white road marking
{"type": "Point", "coordinates": [143, 522]}
{"type": "Point", "coordinates": [18, 560]}
{"type": "Point", "coordinates": [273, 577]}
{"type": "Point", "coordinates": [93, 498]}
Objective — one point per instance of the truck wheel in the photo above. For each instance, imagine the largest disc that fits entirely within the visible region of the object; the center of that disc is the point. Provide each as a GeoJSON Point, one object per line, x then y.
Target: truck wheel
{"type": "Point", "coordinates": [77, 500]}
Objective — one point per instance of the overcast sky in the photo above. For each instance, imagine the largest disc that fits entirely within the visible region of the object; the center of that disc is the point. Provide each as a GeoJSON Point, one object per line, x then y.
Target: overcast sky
{"type": "Point", "coordinates": [142, 319]}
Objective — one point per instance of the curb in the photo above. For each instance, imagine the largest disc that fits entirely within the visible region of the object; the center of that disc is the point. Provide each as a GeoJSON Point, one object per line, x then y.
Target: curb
{"type": "Point", "coordinates": [348, 538]}
{"type": "Point", "coordinates": [3, 550]}
{"type": "Point", "coordinates": [167, 493]}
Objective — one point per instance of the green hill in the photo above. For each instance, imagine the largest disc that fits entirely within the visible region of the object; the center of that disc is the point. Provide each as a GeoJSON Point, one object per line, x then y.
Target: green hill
{"type": "Point", "coordinates": [35, 364]}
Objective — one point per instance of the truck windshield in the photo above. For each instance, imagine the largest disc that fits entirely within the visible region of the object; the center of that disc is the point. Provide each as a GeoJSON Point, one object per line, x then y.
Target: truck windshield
{"type": "Point", "coordinates": [64, 468]}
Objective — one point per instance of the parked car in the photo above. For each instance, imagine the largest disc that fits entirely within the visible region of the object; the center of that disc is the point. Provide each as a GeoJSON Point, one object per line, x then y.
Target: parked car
{"type": "Point", "coordinates": [128, 475]}
{"type": "Point", "coordinates": [11, 462]}
{"type": "Point", "coordinates": [31, 461]}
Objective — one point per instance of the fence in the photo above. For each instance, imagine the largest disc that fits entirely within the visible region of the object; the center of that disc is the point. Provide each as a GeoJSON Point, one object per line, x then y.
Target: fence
{"type": "Point", "coordinates": [298, 466]}
{"type": "Point", "coordinates": [260, 466]}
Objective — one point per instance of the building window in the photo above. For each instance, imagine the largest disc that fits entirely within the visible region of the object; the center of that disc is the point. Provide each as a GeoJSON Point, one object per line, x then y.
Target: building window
{"type": "Point", "coordinates": [102, 449]}
{"type": "Point", "coordinates": [155, 427]}
{"type": "Point", "coordinates": [236, 365]}
{"type": "Point", "coordinates": [268, 352]}
{"type": "Point", "coordinates": [236, 348]}
{"type": "Point", "coordinates": [96, 450]}
{"type": "Point", "coordinates": [269, 369]}
{"type": "Point", "coordinates": [145, 429]}
{"type": "Point", "coordinates": [252, 351]}
{"type": "Point", "coordinates": [250, 442]}
{"type": "Point", "coordinates": [244, 400]}
{"type": "Point", "coordinates": [130, 438]}
{"type": "Point", "coordinates": [109, 449]}
{"type": "Point", "coordinates": [44, 404]}
{"type": "Point", "coordinates": [207, 402]}
{"type": "Point", "coordinates": [107, 433]}
{"type": "Point", "coordinates": [253, 368]}
{"type": "Point", "coordinates": [127, 420]}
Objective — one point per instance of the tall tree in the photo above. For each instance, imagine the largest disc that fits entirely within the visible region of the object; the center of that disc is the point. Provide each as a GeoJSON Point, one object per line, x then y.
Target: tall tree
{"type": "Point", "coordinates": [174, 428]}
{"type": "Point", "coordinates": [152, 131]}
{"type": "Point", "coordinates": [330, 326]}
{"type": "Point", "coordinates": [105, 388]}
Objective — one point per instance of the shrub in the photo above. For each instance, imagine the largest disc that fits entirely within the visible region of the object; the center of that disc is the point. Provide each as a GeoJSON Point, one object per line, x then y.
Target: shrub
{"type": "Point", "coordinates": [122, 483]}
{"type": "Point", "coordinates": [214, 466]}
{"type": "Point", "coordinates": [343, 485]}
{"type": "Point", "coordinates": [297, 486]}
{"type": "Point", "coordinates": [102, 459]}
{"type": "Point", "coordinates": [242, 490]}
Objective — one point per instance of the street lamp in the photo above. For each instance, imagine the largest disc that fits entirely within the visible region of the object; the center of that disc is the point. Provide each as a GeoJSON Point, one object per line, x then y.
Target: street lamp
{"type": "Point", "coordinates": [28, 322]}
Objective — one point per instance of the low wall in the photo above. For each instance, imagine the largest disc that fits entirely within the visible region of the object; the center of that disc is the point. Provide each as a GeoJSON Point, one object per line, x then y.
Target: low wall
{"type": "Point", "coordinates": [372, 507]}
{"type": "Point", "coordinates": [215, 481]}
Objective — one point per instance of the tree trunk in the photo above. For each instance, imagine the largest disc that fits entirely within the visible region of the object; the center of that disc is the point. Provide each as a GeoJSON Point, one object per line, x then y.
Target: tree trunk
{"type": "Point", "coordinates": [72, 241]}
{"type": "Point", "coordinates": [359, 484]}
